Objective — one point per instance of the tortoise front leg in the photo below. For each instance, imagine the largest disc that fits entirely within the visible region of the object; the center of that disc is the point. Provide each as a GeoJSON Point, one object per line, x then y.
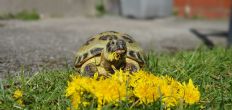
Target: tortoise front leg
{"type": "Point", "coordinates": [131, 67]}
{"type": "Point", "coordinates": [90, 69]}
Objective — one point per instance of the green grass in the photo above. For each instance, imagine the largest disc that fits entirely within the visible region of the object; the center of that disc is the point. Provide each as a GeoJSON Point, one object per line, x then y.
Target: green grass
{"type": "Point", "coordinates": [211, 70]}
{"type": "Point", "coordinates": [100, 8]}
{"type": "Point", "coordinates": [22, 15]}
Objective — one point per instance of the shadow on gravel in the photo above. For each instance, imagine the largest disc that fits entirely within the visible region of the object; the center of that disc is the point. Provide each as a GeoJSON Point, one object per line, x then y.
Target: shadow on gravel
{"type": "Point", "coordinates": [204, 37]}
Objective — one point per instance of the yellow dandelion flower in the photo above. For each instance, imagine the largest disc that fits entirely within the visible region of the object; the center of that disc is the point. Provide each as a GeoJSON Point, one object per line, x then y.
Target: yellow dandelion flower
{"type": "Point", "coordinates": [171, 90]}
{"type": "Point", "coordinates": [108, 91]}
{"type": "Point", "coordinates": [146, 93]}
{"type": "Point", "coordinates": [76, 87]}
{"type": "Point", "coordinates": [113, 56]}
{"type": "Point", "coordinates": [75, 100]}
{"type": "Point", "coordinates": [120, 75]}
{"type": "Point", "coordinates": [70, 89]}
{"type": "Point", "coordinates": [169, 101]}
{"type": "Point", "coordinates": [191, 93]}
{"type": "Point", "coordinates": [145, 86]}
{"type": "Point", "coordinates": [18, 94]}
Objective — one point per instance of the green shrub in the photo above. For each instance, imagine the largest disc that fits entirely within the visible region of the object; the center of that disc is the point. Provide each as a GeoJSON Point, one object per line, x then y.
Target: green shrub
{"type": "Point", "coordinates": [22, 15]}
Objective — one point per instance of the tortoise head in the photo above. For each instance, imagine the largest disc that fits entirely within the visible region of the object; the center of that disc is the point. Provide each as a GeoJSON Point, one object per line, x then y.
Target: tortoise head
{"type": "Point", "coordinates": [115, 49]}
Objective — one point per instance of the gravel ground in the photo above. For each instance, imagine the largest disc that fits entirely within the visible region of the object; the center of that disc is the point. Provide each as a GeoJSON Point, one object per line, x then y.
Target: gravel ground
{"type": "Point", "coordinates": [52, 43]}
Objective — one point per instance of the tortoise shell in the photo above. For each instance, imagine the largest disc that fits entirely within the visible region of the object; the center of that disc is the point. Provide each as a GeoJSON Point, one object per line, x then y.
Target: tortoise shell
{"type": "Point", "coordinates": [95, 45]}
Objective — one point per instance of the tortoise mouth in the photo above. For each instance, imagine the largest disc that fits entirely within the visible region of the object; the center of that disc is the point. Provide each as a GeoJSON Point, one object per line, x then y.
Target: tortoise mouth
{"type": "Point", "coordinates": [120, 51]}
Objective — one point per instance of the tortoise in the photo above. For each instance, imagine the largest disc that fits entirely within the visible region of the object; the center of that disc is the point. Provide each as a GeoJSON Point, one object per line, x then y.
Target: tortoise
{"type": "Point", "coordinates": [96, 54]}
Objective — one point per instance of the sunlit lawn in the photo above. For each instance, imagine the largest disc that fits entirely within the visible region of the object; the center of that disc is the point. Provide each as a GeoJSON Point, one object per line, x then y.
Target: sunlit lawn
{"type": "Point", "coordinates": [210, 70]}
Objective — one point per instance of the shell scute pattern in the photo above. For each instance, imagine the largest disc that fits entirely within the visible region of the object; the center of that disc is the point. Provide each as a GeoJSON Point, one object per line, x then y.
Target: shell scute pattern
{"type": "Point", "coordinates": [108, 37]}
{"type": "Point", "coordinates": [94, 46]}
{"type": "Point", "coordinates": [89, 41]}
{"type": "Point", "coordinates": [128, 38]}
{"type": "Point", "coordinates": [96, 51]}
